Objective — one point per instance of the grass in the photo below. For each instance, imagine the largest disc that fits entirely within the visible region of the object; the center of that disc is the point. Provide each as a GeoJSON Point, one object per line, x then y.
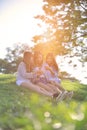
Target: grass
{"type": "Point", "coordinates": [21, 109]}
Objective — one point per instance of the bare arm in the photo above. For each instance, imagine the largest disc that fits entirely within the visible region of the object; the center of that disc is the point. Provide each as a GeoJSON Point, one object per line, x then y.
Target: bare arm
{"type": "Point", "coordinates": [49, 68]}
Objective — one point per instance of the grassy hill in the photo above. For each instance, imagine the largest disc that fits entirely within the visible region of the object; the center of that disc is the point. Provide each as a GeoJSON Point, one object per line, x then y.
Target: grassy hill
{"type": "Point", "coordinates": [21, 109]}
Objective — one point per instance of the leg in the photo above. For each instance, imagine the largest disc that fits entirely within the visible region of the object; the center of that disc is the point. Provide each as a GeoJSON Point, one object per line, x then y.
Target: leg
{"type": "Point", "coordinates": [47, 87]}
{"type": "Point", "coordinates": [36, 88]}
{"type": "Point", "coordinates": [58, 86]}
{"type": "Point", "coordinates": [61, 91]}
{"type": "Point", "coordinates": [51, 88]}
{"type": "Point", "coordinates": [54, 88]}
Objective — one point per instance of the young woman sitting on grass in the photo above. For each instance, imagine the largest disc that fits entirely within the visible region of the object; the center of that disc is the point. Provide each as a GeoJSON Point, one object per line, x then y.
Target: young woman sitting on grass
{"type": "Point", "coordinates": [24, 76]}
{"type": "Point", "coordinates": [39, 76]}
{"type": "Point", "coordinates": [52, 72]}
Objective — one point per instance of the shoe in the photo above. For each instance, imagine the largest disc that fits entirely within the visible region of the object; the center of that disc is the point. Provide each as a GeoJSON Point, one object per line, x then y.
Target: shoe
{"type": "Point", "coordinates": [55, 98]}
{"type": "Point", "coordinates": [58, 98]}
{"type": "Point", "coordinates": [61, 96]}
{"type": "Point", "coordinates": [69, 95]}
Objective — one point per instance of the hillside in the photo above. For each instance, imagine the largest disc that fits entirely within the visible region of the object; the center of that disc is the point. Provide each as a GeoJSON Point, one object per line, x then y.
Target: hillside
{"type": "Point", "coordinates": [21, 109]}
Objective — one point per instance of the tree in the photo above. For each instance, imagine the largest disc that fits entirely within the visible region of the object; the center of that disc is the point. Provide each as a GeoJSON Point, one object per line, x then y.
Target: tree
{"type": "Point", "coordinates": [13, 58]}
{"type": "Point", "coordinates": [66, 23]}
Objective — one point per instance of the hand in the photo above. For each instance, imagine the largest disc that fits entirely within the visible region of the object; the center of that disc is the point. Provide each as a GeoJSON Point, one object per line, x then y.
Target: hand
{"type": "Point", "coordinates": [48, 68]}
{"type": "Point", "coordinates": [39, 73]}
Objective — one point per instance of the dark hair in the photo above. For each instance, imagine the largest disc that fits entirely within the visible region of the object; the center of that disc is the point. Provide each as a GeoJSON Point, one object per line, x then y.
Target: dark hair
{"type": "Point", "coordinates": [54, 61]}
{"type": "Point", "coordinates": [27, 54]}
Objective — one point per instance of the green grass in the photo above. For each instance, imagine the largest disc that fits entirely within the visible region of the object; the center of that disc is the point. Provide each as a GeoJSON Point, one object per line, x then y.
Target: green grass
{"type": "Point", "coordinates": [21, 109]}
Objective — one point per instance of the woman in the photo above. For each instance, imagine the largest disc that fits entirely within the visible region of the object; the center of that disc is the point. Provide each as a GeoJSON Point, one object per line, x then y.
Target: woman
{"type": "Point", "coordinates": [24, 76]}
{"type": "Point", "coordinates": [52, 69]}
{"type": "Point", "coordinates": [51, 73]}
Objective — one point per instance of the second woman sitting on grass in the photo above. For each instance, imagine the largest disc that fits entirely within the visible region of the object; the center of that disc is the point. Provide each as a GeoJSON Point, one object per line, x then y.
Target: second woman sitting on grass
{"type": "Point", "coordinates": [37, 67]}
{"type": "Point", "coordinates": [52, 75]}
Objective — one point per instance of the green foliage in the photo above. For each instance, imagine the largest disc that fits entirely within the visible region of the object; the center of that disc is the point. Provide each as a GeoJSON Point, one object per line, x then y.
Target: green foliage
{"type": "Point", "coordinates": [65, 22]}
{"type": "Point", "coordinates": [13, 58]}
{"type": "Point", "coordinates": [54, 47]}
{"type": "Point", "coordinates": [26, 110]}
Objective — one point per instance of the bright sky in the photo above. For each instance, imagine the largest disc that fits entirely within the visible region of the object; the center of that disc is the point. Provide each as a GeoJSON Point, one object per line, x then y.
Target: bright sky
{"type": "Point", "coordinates": [17, 23]}
{"type": "Point", "coordinates": [79, 72]}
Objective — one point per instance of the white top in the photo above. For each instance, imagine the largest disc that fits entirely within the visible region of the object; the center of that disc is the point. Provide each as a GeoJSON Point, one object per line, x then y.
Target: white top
{"type": "Point", "coordinates": [49, 75]}
{"type": "Point", "coordinates": [22, 75]}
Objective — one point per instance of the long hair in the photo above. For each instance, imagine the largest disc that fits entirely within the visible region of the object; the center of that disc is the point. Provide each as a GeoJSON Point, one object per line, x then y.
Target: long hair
{"type": "Point", "coordinates": [54, 63]}
{"type": "Point", "coordinates": [36, 55]}
{"type": "Point", "coordinates": [27, 54]}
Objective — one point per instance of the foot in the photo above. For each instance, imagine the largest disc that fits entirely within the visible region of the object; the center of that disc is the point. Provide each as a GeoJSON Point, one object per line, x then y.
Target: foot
{"type": "Point", "coordinates": [69, 95]}
{"type": "Point", "coordinates": [55, 95]}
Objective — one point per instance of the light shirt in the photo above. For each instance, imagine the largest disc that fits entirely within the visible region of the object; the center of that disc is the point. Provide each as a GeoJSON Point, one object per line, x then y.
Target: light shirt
{"type": "Point", "coordinates": [22, 75]}
{"type": "Point", "coordinates": [49, 75]}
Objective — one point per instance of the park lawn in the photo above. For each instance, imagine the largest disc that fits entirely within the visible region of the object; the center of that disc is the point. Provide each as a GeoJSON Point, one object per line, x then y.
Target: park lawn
{"type": "Point", "coordinates": [21, 109]}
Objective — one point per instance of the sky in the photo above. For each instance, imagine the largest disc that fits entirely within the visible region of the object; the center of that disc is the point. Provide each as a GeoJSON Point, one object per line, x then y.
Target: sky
{"type": "Point", "coordinates": [79, 72]}
{"type": "Point", "coordinates": [17, 23]}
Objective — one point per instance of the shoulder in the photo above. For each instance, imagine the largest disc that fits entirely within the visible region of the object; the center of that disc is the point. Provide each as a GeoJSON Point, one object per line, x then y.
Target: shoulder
{"type": "Point", "coordinates": [21, 64]}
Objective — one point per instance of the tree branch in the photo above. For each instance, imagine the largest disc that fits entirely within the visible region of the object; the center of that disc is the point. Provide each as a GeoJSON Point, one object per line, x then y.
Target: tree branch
{"type": "Point", "coordinates": [79, 37]}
